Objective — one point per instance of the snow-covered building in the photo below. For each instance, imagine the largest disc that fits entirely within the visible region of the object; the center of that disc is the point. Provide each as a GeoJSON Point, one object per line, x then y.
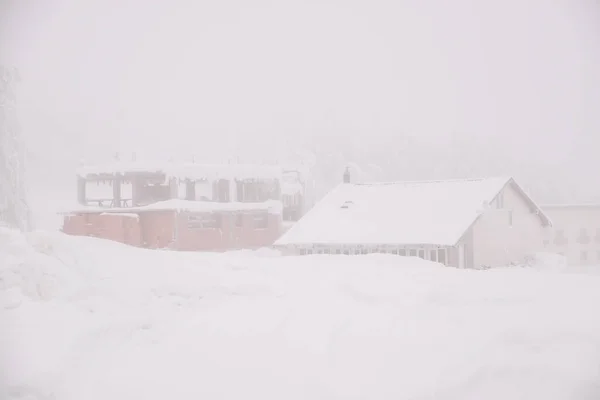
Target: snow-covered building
{"type": "Point", "coordinates": [575, 233]}
{"type": "Point", "coordinates": [464, 223]}
{"type": "Point", "coordinates": [179, 206]}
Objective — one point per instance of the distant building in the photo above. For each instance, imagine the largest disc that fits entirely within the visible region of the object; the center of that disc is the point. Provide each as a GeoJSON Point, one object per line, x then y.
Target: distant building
{"type": "Point", "coordinates": [575, 233]}
{"type": "Point", "coordinates": [463, 223]}
{"type": "Point", "coordinates": [179, 206]}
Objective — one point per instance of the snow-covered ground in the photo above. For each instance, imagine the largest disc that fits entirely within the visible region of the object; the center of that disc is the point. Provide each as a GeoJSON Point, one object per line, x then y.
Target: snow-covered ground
{"type": "Point", "coordinates": [89, 319]}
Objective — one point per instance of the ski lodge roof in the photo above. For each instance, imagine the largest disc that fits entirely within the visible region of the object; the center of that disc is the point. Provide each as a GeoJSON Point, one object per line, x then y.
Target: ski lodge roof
{"type": "Point", "coordinates": [408, 213]}
{"type": "Point", "coordinates": [184, 170]}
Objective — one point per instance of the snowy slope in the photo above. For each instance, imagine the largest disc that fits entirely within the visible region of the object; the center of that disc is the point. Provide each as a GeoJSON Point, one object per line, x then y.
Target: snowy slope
{"type": "Point", "coordinates": [89, 319]}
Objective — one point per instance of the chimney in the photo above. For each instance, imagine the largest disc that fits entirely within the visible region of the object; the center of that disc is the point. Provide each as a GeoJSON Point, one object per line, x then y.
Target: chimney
{"type": "Point", "coordinates": [347, 175]}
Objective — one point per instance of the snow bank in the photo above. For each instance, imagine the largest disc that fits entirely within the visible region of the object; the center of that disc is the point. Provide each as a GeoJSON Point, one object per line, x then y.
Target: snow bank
{"type": "Point", "coordinates": [90, 319]}
{"type": "Point", "coordinates": [547, 261]}
{"type": "Point", "coordinates": [270, 206]}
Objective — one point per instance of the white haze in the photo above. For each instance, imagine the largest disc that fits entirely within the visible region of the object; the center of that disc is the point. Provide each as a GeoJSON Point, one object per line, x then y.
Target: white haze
{"type": "Point", "coordinates": [422, 89]}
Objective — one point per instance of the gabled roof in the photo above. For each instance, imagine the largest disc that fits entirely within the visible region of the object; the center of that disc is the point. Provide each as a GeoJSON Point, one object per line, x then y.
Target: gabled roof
{"type": "Point", "coordinates": [573, 206]}
{"type": "Point", "coordinates": [424, 212]}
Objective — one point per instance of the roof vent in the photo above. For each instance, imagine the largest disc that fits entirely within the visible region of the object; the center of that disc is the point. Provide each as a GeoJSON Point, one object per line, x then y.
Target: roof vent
{"type": "Point", "coordinates": [347, 204]}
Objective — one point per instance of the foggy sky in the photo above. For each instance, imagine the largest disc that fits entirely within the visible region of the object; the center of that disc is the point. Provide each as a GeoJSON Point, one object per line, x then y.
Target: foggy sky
{"type": "Point", "coordinates": [231, 77]}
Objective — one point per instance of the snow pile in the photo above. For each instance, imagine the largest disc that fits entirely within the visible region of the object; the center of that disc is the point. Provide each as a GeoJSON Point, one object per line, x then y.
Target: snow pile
{"type": "Point", "coordinates": [548, 261]}
{"type": "Point", "coordinates": [123, 323]}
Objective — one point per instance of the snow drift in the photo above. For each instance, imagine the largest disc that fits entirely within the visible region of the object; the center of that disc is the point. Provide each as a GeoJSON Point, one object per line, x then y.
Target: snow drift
{"type": "Point", "coordinates": [89, 319]}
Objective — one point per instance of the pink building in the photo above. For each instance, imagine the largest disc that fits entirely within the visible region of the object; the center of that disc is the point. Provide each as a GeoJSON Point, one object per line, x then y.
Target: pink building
{"type": "Point", "coordinates": [179, 206]}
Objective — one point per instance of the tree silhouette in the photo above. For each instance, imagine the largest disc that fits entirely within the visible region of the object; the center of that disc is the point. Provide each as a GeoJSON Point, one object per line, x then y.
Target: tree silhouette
{"type": "Point", "coordinates": [14, 211]}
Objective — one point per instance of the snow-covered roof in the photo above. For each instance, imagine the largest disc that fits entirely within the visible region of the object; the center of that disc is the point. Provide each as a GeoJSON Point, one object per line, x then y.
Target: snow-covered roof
{"type": "Point", "coordinates": [572, 206]}
{"type": "Point", "coordinates": [186, 170]}
{"type": "Point", "coordinates": [271, 206]}
{"type": "Point", "coordinates": [427, 212]}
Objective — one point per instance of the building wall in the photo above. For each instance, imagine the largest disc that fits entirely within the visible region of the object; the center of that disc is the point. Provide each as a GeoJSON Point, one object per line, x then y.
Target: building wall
{"type": "Point", "coordinates": [168, 229]}
{"type": "Point", "coordinates": [575, 233]}
{"type": "Point", "coordinates": [124, 228]}
{"type": "Point", "coordinates": [158, 229]}
{"type": "Point", "coordinates": [426, 252]}
{"type": "Point", "coordinates": [507, 231]}
{"type": "Point", "coordinates": [235, 231]}
{"type": "Point", "coordinates": [468, 244]}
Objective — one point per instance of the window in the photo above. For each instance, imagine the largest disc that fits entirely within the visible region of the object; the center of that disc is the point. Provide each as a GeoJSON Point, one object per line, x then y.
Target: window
{"type": "Point", "coordinates": [584, 255]}
{"type": "Point", "coordinates": [499, 201]}
{"type": "Point", "coordinates": [261, 221]}
{"type": "Point", "coordinates": [363, 250]}
{"type": "Point", "coordinates": [204, 221]}
{"type": "Point", "coordinates": [510, 218]}
{"type": "Point", "coordinates": [239, 220]}
{"type": "Point", "coordinates": [412, 252]}
{"type": "Point", "coordinates": [327, 251]}
{"type": "Point", "coordinates": [583, 237]}
{"type": "Point", "coordinates": [433, 255]}
{"type": "Point", "coordinates": [347, 252]}
{"type": "Point", "coordinates": [402, 252]}
{"type": "Point", "coordinates": [422, 253]}
{"type": "Point", "coordinates": [560, 238]}
{"type": "Point", "coordinates": [309, 251]}
{"type": "Point", "coordinates": [338, 251]}
{"type": "Point", "coordinates": [302, 252]}
{"type": "Point", "coordinates": [442, 256]}
{"type": "Point", "coordinates": [190, 190]}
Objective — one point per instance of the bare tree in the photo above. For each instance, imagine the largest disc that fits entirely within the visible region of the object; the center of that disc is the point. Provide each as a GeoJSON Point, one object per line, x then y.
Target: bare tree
{"type": "Point", "coordinates": [14, 210]}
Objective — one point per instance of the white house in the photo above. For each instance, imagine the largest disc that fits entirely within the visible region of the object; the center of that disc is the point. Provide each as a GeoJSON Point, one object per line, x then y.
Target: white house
{"type": "Point", "coordinates": [575, 232]}
{"type": "Point", "coordinates": [463, 223]}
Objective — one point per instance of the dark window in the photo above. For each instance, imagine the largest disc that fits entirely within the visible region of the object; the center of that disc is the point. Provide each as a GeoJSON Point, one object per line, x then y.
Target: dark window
{"type": "Point", "coordinates": [402, 252]}
{"type": "Point", "coordinates": [433, 255]}
{"type": "Point", "coordinates": [412, 252]}
{"type": "Point", "coordinates": [239, 190]}
{"type": "Point", "coordinates": [204, 221]}
{"type": "Point", "coordinates": [261, 221]}
{"type": "Point", "coordinates": [190, 190]}
{"type": "Point", "coordinates": [442, 256]}
{"type": "Point", "coordinates": [422, 253]}
{"type": "Point", "coordinates": [239, 220]}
